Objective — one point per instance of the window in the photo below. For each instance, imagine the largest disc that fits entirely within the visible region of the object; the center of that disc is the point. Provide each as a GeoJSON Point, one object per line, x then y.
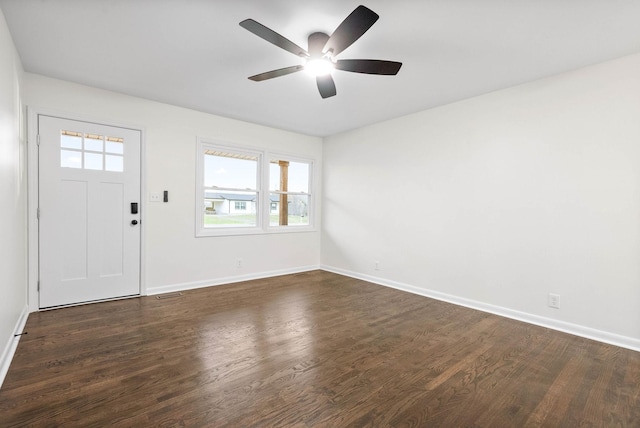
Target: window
{"type": "Point", "coordinates": [230, 180]}
{"type": "Point", "coordinates": [88, 151]}
{"type": "Point", "coordinates": [289, 186]}
{"type": "Point", "coordinates": [250, 191]}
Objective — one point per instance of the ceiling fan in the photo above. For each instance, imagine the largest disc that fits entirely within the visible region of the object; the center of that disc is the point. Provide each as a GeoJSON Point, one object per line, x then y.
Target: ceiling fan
{"type": "Point", "coordinates": [322, 50]}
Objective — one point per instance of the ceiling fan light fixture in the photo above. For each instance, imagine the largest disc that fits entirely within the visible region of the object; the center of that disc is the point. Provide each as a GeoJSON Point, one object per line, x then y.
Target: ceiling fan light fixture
{"type": "Point", "coordinates": [319, 66]}
{"type": "Point", "coordinates": [319, 58]}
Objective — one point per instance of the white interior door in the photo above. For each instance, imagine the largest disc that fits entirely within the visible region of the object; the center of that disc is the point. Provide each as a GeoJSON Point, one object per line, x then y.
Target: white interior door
{"type": "Point", "coordinates": [89, 231]}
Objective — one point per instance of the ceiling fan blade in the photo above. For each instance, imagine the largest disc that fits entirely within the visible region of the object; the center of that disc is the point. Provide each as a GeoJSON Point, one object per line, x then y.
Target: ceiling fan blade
{"type": "Point", "coordinates": [326, 86]}
{"type": "Point", "coordinates": [369, 66]}
{"type": "Point", "coordinates": [272, 37]}
{"type": "Point", "coordinates": [276, 73]}
{"type": "Point", "coordinates": [350, 30]}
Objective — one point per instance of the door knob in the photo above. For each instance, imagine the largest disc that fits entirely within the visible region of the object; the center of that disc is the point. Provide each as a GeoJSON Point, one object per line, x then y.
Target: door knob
{"type": "Point", "coordinates": [134, 222]}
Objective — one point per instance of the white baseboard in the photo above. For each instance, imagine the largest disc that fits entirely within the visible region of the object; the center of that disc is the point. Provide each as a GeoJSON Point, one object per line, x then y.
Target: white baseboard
{"type": "Point", "coordinates": [565, 327]}
{"type": "Point", "coordinates": [225, 280]}
{"type": "Point", "coordinates": [12, 344]}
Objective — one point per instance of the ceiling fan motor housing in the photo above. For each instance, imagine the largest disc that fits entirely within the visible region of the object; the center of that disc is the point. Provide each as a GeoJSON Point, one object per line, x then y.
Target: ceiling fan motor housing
{"type": "Point", "coordinates": [317, 41]}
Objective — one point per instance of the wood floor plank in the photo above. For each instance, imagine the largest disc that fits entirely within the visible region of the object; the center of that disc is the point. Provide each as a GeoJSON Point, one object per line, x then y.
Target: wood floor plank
{"type": "Point", "coordinates": [306, 350]}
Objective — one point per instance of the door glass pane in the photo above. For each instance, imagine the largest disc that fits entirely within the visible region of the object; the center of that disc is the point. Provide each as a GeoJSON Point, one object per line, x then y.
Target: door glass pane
{"type": "Point", "coordinates": [114, 145]}
{"type": "Point", "coordinates": [92, 161]}
{"type": "Point", "coordinates": [71, 140]}
{"type": "Point", "coordinates": [70, 159]}
{"type": "Point", "coordinates": [72, 152]}
{"type": "Point", "coordinates": [93, 143]}
{"type": "Point", "coordinates": [113, 163]}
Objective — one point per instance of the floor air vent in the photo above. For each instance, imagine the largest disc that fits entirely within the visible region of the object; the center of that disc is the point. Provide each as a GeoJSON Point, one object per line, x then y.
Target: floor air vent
{"type": "Point", "coordinates": [168, 295]}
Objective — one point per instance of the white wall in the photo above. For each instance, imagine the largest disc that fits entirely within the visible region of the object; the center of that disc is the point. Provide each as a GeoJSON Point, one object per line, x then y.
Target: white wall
{"type": "Point", "coordinates": [13, 233]}
{"type": "Point", "coordinates": [523, 192]}
{"type": "Point", "coordinates": [174, 258]}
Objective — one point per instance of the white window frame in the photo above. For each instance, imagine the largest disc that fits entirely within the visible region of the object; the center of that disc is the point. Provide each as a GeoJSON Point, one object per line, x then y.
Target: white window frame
{"type": "Point", "coordinates": [263, 205]}
{"type": "Point", "coordinates": [203, 145]}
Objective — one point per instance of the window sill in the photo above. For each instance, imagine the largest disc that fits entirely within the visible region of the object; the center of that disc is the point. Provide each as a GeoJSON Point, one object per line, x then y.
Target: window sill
{"type": "Point", "coordinates": [207, 233]}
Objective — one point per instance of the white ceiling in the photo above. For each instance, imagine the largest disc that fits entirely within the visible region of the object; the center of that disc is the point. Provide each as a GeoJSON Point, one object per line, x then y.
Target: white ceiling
{"type": "Point", "coordinates": [193, 53]}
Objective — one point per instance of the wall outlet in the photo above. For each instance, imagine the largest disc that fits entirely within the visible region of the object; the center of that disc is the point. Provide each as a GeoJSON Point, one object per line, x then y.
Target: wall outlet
{"type": "Point", "coordinates": [238, 263]}
{"type": "Point", "coordinates": [553, 300]}
{"type": "Point", "coordinates": [376, 265]}
{"type": "Point", "coordinates": [155, 197]}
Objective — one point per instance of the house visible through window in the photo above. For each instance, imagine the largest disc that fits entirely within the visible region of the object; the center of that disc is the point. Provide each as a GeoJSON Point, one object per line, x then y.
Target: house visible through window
{"type": "Point", "coordinates": [249, 191]}
{"type": "Point", "coordinates": [230, 188]}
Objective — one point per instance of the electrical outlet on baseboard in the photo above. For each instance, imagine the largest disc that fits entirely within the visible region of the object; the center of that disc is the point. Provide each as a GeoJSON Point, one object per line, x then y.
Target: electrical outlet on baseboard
{"type": "Point", "coordinates": [553, 300]}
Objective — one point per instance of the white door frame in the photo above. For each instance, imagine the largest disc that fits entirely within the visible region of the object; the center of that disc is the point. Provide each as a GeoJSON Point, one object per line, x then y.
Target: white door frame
{"type": "Point", "coordinates": [32, 185]}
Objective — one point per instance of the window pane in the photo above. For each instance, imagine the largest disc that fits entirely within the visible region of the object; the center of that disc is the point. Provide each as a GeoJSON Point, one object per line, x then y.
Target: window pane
{"type": "Point", "coordinates": [225, 209]}
{"type": "Point", "coordinates": [222, 170]}
{"type": "Point", "coordinates": [92, 161]}
{"type": "Point", "coordinates": [113, 163]}
{"type": "Point", "coordinates": [70, 159]}
{"type": "Point", "coordinates": [296, 213]}
{"type": "Point", "coordinates": [274, 175]}
{"type": "Point", "coordinates": [93, 143]}
{"type": "Point", "coordinates": [71, 140]}
{"type": "Point", "coordinates": [297, 175]}
{"type": "Point", "coordinates": [114, 145]}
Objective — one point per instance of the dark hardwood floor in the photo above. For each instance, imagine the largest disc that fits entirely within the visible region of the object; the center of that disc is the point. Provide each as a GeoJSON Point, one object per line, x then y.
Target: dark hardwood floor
{"type": "Point", "coordinates": [311, 349]}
